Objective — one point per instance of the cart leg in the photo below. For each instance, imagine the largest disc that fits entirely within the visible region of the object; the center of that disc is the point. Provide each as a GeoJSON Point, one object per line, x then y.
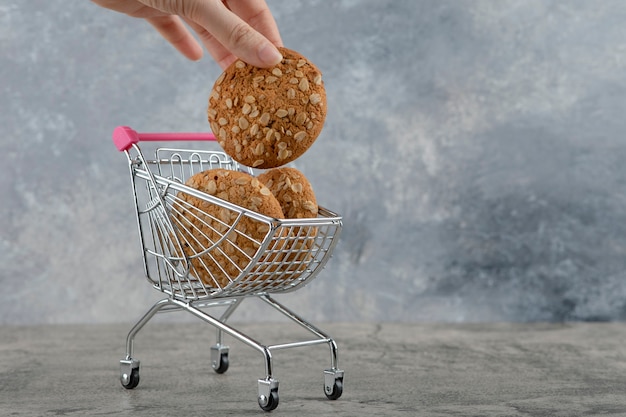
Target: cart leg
{"type": "Point", "coordinates": [333, 377]}
{"type": "Point", "coordinates": [293, 316]}
{"type": "Point", "coordinates": [268, 387]}
{"type": "Point", "coordinates": [231, 332]}
{"type": "Point", "coordinates": [333, 356]}
{"type": "Point", "coordinates": [129, 367]}
{"type": "Point", "coordinates": [229, 311]}
{"type": "Point", "coordinates": [219, 351]}
{"type": "Point", "coordinates": [130, 339]}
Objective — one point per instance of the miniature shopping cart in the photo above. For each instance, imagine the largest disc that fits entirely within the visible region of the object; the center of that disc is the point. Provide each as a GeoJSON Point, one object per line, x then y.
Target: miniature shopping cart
{"type": "Point", "coordinates": [289, 254]}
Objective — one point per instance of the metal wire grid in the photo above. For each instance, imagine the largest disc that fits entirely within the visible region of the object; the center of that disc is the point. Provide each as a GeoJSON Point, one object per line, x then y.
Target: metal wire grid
{"type": "Point", "coordinates": [289, 255]}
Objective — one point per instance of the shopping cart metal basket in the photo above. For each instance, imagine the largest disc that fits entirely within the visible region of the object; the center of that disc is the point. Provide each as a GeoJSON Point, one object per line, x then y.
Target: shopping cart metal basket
{"type": "Point", "coordinates": [290, 254]}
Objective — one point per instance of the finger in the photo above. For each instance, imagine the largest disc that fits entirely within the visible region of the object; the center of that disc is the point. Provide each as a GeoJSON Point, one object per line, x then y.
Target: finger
{"type": "Point", "coordinates": [220, 54]}
{"type": "Point", "coordinates": [259, 16]}
{"type": "Point", "coordinates": [222, 26]}
{"type": "Point", "coordinates": [175, 32]}
{"type": "Point", "coordinates": [131, 8]}
{"type": "Point", "coordinates": [222, 29]}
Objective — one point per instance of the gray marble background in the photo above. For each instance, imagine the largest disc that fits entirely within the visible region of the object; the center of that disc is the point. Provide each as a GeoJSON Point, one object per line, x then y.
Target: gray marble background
{"type": "Point", "coordinates": [475, 149]}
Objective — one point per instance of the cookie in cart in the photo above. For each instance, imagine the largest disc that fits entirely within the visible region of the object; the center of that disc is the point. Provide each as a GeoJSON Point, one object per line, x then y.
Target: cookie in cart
{"type": "Point", "coordinates": [213, 233]}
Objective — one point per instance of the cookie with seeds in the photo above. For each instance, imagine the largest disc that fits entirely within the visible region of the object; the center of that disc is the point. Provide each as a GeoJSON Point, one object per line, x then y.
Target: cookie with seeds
{"type": "Point", "coordinates": [219, 243]}
{"type": "Point", "coordinates": [267, 117]}
{"type": "Point", "coordinates": [292, 190]}
{"type": "Point", "coordinates": [297, 200]}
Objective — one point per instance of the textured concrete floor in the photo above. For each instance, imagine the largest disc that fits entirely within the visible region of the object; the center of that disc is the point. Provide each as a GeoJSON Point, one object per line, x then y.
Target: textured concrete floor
{"type": "Point", "coordinates": [391, 370]}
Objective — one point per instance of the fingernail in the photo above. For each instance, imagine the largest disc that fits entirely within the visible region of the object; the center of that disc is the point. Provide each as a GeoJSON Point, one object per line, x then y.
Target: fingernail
{"type": "Point", "coordinates": [269, 55]}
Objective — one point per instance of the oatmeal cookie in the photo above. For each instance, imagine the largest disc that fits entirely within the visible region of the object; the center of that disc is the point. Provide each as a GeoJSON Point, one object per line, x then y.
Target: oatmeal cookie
{"type": "Point", "coordinates": [297, 200]}
{"type": "Point", "coordinates": [267, 117]}
{"type": "Point", "coordinates": [292, 190]}
{"type": "Point", "coordinates": [218, 243]}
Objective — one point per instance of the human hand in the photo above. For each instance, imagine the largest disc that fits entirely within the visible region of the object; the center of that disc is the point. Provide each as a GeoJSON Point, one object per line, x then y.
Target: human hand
{"type": "Point", "coordinates": [229, 29]}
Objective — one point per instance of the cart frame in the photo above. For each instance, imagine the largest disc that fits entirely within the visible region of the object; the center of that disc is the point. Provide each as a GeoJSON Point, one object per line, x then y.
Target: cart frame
{"type": "Point", "coordinates": [269, 271]}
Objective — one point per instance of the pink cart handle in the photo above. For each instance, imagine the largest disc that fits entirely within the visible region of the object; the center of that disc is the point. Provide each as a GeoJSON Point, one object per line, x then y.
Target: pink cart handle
{"type": "Point", "coordinates": [124, 137]}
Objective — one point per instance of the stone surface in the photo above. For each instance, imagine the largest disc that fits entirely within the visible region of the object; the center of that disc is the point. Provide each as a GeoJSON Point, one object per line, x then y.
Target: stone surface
{"type": "Point", "coordinates": [475, 150]}
{"type": "Point", "coordinates": [390, 370]}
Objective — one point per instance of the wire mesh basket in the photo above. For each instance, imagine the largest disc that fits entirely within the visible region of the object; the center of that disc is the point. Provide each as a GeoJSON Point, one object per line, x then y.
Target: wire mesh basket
{"type": "Point", "coordinates": [192, 254]}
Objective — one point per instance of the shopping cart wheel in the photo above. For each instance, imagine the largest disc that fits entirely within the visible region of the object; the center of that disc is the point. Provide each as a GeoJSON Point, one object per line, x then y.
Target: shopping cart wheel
{"type": "Point", "coordinates": [223, 364]}
{"type": "Point", "coordinates": [336, 391]}
{"type": "Point", "coordinates": [268, 394]}
{"type": "Point", "coordinates": [219, 358]}
{"type": "Point", "coordinates": [129, 373]}
{"type": "Point", "coordinates": [130, 381]}
{"type": "Point", "coordinates": [333, 383]}
{"type": "Point", "coordinates": [269, 403]}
